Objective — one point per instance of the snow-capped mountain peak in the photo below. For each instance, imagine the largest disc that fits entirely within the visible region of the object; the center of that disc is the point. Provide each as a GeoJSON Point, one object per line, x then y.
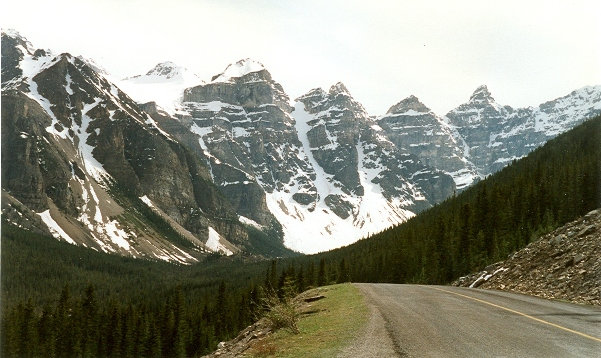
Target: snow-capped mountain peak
{"type": "Point", "coordinates": [410, 103]}
{"type": "Point", "coordinates": [164, 84]}
{"type": "Point", "coordinates": [481, 94]}
{"type": "Point", "coordinates": [95, 66]}
{"type": "Point", "coordinates": [339, 88]}
{"type": "Point", "coordinates": [15, 35]}
{"type": "Point", "coordinates": [166, 72]}
{"type": "Point", "coordinates": [495, 135]}
{"type": "Point", "coordinates": [238, 69]}
{"type": "Point", "coordinates": [166, 69]}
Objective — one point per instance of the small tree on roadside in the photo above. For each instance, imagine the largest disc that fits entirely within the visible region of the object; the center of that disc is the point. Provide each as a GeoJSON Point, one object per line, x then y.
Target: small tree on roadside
{"type": "Point", "coordinates": [281, 311]}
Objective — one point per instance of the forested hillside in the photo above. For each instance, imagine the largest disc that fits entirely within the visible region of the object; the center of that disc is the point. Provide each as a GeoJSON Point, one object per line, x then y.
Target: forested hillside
{"type": "Point", "coordinates": [57, 297]}
{"type": "Point", "coordinates": [66, 301]}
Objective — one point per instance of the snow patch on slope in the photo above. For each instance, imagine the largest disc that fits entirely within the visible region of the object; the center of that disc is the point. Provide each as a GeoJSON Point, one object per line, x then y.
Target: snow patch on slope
{"type": "Point", "coordinates": [214, 243]}
{"type": "Point", "coordinates": [324, 182]}
{"type": "Point", "coordinates": [247, 221]}
{"type": "Point", "coordinates": [92, 166]}
{"type": "Point", "coordinates": [147, 201]}
{"type": "Point", "coordinates": [54, 227]}
{"type": "Point", "coordinates": [375, 211]}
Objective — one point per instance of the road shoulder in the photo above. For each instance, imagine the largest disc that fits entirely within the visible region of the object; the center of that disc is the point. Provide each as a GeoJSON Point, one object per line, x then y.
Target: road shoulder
{"type": "Point", "coordinates": [376, 339]}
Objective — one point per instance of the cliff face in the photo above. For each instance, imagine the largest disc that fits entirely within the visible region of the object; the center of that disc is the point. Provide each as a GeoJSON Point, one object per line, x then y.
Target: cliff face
{"type": "Point", "coordinates": [414, 128]}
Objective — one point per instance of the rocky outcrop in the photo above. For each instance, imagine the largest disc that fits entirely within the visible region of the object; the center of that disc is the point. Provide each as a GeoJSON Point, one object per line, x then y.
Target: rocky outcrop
{"type": "Point", "coordinates": [563, 264]}
{"type": "Point", "coordinates": [246, 83]}
{"type": "Point", "coordinates": [12, 57]}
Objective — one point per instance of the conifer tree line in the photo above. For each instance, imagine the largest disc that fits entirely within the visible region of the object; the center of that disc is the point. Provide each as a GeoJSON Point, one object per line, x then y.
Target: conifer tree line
{"type": "Point", "coordinates": [119, 307]}
{"type": "Point", "coordinates": [80, 325]}
{"type": "Point", "coordinates": [142, 309]}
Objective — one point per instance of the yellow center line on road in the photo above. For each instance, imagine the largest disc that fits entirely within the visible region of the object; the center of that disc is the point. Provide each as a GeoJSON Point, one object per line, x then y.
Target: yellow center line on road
{"type": "Point", "coordinates": [520, 313]}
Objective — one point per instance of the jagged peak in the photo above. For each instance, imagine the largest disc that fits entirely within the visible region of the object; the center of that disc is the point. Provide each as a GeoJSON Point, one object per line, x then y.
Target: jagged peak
{"type": "Point", "coordinates": [586, 90]}
{"type": "Point", "coordinates": [339, 87]}
{"type": "Point", "coordinates": [164, 72]}
{"type": "Point", "coordinates": [481, 94]}
{"type": "Point", "coordinates": [166, 69]}
{"type": "Point", "coordinates": [407, 104]}
{"type": "Point", "coordinates": [238, 69]}
{"type": "Point", "coordinates": [94, 65]}
{"type": "Point", "coordinates": [21, 40]}
{"type": "Point", "coordinates": [13, 34]}
{"type": "Point", "coordinates": [314, 93]}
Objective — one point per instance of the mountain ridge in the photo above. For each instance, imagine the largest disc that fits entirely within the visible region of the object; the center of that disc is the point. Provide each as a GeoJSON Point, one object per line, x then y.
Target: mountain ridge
{"type": "Point", "coordinates": [269, 162]}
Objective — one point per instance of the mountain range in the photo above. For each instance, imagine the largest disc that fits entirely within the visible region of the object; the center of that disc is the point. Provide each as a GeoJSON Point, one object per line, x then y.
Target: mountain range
{"type": "Point", "coordinates": [166, 166]}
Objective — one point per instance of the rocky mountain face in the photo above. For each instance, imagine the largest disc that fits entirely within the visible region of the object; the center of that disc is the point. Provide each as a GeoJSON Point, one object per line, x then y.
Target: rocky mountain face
{"type": "Point", "coordinates": [319, 162]}
{"type": "Point", "coordinates": [242, 126]}
{"type": "Point", "coordinates": [82, 162]}
{"type": "Point", "coordinates": [481, 136]}
{"type": "Point", "coordinates": [564, 264]}
{"type": "Point", "coordinates": [495, 135]}
{"type": "Point", "coordinates": [233, 164]}
{"type": "Point", "coordinates": [351, 148]}
{"type": "Point", "coordinates": [414, 128]}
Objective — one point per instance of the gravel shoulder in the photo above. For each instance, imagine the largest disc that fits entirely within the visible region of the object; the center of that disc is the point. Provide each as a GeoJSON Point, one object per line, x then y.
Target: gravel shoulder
{"type": "Point", "coordinates": [376, 340]}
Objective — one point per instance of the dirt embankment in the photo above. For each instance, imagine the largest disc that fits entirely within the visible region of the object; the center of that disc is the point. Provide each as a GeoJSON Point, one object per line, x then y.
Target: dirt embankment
{"type": "Point", "coordinates": [564, 264]}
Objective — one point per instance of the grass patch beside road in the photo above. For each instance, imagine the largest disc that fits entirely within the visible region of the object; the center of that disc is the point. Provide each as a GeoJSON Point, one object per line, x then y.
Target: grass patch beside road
{"type": "Point", "coordinates": [326, 326]}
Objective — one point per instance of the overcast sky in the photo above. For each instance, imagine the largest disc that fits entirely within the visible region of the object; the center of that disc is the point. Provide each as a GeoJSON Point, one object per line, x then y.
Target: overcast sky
{"type": "Point", "coordinates": [526, 52]}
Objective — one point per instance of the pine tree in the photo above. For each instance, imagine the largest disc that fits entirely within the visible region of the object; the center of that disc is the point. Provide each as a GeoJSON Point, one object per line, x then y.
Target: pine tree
{"type": "Point", "coordinates": [63, 317]}
{"type": "Point", "coordinates": [221, 310]}
{"type": "Point", "coordinates": [311, 274]}
{"type": "Point", "coordinates": [46, 333]}
{"type": "Point", "coordinates": [181, 329]}
{"type": "Point", "coordinates": [89, 310]}
{"type": "Point", "coordinates": [343, 274]}
{"type": "Point", "coordinates": [114, 333]}
{"type": "Point", "coordinates": [322, 274]}
{"type": "Point", "coordinates": [301, 285]}
{"type": "Point", "coordinates": [154, 349]}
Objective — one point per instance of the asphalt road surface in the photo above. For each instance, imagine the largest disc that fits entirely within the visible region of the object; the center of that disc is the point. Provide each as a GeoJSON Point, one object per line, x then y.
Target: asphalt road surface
{"type": "Point", "coordinates": [442, 321]}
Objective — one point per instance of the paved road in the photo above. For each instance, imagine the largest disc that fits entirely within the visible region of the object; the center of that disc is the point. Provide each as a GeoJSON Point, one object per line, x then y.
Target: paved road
{"type": "Point", "coordinates": [441, 321]}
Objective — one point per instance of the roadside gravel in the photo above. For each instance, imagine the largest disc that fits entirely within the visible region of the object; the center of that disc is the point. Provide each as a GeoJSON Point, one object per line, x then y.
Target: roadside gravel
{"type": "Point", "coordinates": [376, 339]}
